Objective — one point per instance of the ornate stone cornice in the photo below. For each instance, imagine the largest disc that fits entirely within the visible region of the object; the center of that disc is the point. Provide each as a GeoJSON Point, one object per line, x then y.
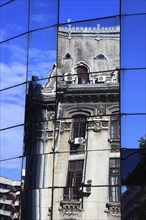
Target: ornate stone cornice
{"type": "Point", "coordinates": [94, 30]}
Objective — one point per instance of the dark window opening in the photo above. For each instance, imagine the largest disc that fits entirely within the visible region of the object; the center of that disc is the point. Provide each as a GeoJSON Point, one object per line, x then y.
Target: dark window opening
{"type": "Point", "coordinates": [67, 56]}
{"type": "Point", "coordinates": [115, 127]}
{"type": "Point", "coordinates": [79, 126]}
{"type": "Point", "coordinates": [114, 180]}
{"type": "Point", "coordinates": [100, 57]}
{"type": "Point", "coordinates": [74, 180]}
{"type": "Point", "coordinates": [83, 76]}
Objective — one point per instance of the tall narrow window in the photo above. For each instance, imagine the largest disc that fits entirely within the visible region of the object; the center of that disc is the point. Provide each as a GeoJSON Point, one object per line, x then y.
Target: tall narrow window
{"type": "Point", "coordinates": [114, 180]}
{"type": "Point", "coordinates": [79, 126]}
{"type": "Point", "coordinates": [74, 180]}
{"type": "Point", "coordinates": [115, 127]}
{"type": "Point", "coordinates": [83, 77]}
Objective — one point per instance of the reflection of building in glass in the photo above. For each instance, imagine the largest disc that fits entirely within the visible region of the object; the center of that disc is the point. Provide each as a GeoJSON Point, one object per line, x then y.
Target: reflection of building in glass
{"type": "Point", "coordinates": [72, 131]}
{"type": "Point", "coordinates": [134, 203]}
{"type": "Point", "coordinates": [134, 198]}
{"type": "Point", "coordinates": [9, 199]}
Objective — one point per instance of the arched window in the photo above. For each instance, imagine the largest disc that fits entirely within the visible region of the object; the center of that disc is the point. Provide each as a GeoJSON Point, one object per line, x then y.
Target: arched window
{"type": "Point", "coordinates": [79, 126]}
{"type": "Point", "coordinates": [67, 56]}
{"type": "Point", "coordinates": [83, 77]}
{"type": "Point", "coordinates": [115, 126]}
{"type": "Point", "coordinates": [100, 57]}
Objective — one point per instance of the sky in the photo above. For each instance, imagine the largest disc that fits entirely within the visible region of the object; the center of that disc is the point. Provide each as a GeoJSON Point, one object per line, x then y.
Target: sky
{"type": "Point", "coordinates": [18, 63]}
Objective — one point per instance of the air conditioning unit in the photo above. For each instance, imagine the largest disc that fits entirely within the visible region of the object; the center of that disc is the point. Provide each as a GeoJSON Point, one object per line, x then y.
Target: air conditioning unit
{"type": "Point", "coordinates": [85, 189]}
{"type": "Point", "coordinates": [68, 78]}
{"type": "Point", "coordinates": [79, 140]}
{"type": "Point", "coordinates": [101, 78]}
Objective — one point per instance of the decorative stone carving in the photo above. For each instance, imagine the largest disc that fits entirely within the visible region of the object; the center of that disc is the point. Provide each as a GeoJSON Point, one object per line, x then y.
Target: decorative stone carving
{"type": "Point", "coordinates": [101, 110]}
{"type": "Point", "coordinates": [104, 124]}
{"type": "Point", "coordinates": [97, 29]}
{"type": "Point", "coordinates": [97, 126]}
{"type": "Point", "coordinates": [114, 209]}
{"type": "Point", "coordinates": [70, 208]}
{"type": "Point", "coordinates": [90, 124]}
{"type": "Point", "coordinates": [67, 125]}
{"type": "Point", "coordinates": [50, 134]}
{"type": "Point", "coordinates": [51, 115]}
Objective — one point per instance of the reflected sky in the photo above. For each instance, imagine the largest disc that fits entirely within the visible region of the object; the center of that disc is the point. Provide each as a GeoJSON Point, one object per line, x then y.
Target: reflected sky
{"type": "Point", "coordinates": [133, 127]}
{"type": "Point", "coordinates": [133, 91]}
{"type": "Point", "coordinates": [84, 10]}
{"type": "Point", "coordinates": [133, 41]}
{"type": "Point", "coordinates": [12, 25]}
{"type": "Point", "coordinates": [43, 13]}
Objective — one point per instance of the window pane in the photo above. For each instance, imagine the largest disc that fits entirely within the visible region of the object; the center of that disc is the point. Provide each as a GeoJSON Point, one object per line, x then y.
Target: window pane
{"type": "Point", "coordinates": [133, 202]}
{"type": "Point", "coordinates": [12, 104]}
{"type": "Point", "coordinates": [13, 62]}
{"type": "Point", "coordinates": [43, 13]}
{"type": "Point", "coordinates": [79, 126]}
{"type": "Point", "coordinates": [134, 166]}
{"type": "Point", "coordinates": [132, 6]}
{"type": "Point", "coordinates": [133, 41]}
{"type": "Point", "coordinates": [12, 25]}
{"type": "Point", "coordinates": [115, 127]}
{"type": "Point", "coordinates": [133, 91]}
{"type": "Point", "coordinates": [42, 53]}
{"type": "Point", "coordinates": [82, 10]}
{"type": "Point", "coordinates": [74, 180]}
{"type": "Point", "coordinates": [11, 168]}
{"type": "Point", "coordinates": [133, 127]}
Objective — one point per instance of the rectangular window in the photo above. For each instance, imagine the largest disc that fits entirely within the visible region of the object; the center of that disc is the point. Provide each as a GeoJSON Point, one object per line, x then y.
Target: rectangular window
{"type": "Point", "coordinates": [114, 180]}
{"type": "Point", "coordinates": [115, 127]}
{"type": "Point", "coordinates": [79, 126]}
{"type": "Point", "coordinates": [74, 179]}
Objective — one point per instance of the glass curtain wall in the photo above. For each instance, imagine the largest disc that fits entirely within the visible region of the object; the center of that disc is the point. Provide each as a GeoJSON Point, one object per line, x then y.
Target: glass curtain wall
{"type": "Point", "coordinates": [31, 46]}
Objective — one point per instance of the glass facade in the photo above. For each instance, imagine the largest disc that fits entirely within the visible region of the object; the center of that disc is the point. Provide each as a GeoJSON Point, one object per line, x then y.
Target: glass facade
{"type": "Point", "coordinates": [30, 46]}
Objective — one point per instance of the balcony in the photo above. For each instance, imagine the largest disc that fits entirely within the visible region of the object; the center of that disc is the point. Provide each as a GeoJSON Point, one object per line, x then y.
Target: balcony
{"type": "Point", "coordinates": [5, 201]}
{"type": "Point", "coordinates": [70, 207]}
{"type": "Point", "coordinates": [5, 213]}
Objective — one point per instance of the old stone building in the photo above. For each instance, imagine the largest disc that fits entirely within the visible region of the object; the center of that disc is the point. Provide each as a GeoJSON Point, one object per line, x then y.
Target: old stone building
{"type": "Point", "coordinates": [10, 208]}
{"type": "Point", "coordinates": [72, 131]}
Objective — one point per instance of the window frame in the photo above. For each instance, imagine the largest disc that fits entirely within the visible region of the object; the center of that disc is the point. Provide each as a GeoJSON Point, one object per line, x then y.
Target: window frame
{"type": "Point", "coordinates": [74, 179]}
{"type": "Point", "coordinates": [114, 180]}
{"type": "Point", "coordinates": [115, 126]}
{"type": "Point", "coordinates": [82, 75]}
{"type": "Point", "coordinates": [79, 126]}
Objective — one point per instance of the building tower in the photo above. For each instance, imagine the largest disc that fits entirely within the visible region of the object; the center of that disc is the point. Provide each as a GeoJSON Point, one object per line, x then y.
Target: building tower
{"type": "Point", "coordinates": [72, 131]}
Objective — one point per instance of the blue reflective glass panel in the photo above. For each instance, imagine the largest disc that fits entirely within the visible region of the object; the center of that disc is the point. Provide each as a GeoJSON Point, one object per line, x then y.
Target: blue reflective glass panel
{"type": "Point", "coordinates": [13, 62]}
{"type": "Point", "coordinates": [133, 6]}
{"type": "Point", "coordinates": [133, 91]}
{"type": "Point", "coordinates": [14, 19]}
{"type": "Point", "coordinates": [43, 13]}
{"type": "Point", "coordinates": [83, 10]}
{"type": "Point", "coordinates": [12, 106]}
{"type": "Point", "coordinates": [133, 127]}
{"type": "Point", "coordinates": [42, 52]}
{"type": "Point", "coordinates": [133, 41]}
